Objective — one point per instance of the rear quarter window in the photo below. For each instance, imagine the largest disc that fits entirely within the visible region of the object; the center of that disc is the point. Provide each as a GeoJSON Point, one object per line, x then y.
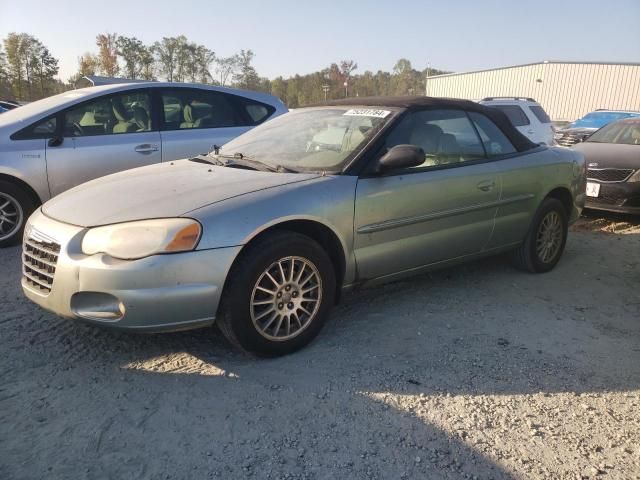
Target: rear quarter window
{"type": "Point", "coordinates": [255, 112]}
{"type": "Point", "coordinates": [540, 114]}
{"type": "Point", "coordinates": [495, 142]}
{"type": "Point", "coordinates": [516, 115]}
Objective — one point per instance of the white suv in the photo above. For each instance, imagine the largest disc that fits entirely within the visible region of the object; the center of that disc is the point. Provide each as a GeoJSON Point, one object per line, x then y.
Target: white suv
{"type": "Point", "coordinates": [527, 115]}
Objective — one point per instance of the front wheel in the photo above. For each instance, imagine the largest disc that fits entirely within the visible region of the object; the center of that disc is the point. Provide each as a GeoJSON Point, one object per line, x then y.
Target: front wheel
{"type": "Point", "coordinates": [546, 239]}
{"type": "Point", "coordinates": [278, 295]}
{"type": "Point", "coordinates": [15, 207]}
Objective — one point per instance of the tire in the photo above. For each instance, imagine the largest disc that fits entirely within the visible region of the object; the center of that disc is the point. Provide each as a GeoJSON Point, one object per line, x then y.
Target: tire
{"type": "Point", "coordinates": [16, 205]}
{"type": "Point", "coordinates": [265, 324]}
{"type": "Point", "coordinates": [528, 256]}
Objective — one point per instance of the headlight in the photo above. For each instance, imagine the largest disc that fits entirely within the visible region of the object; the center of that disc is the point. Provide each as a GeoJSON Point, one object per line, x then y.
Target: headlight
{"type": "Point", "coordinates": [635, 177]}
{"type": "Point", "coordinates": [132, 240]}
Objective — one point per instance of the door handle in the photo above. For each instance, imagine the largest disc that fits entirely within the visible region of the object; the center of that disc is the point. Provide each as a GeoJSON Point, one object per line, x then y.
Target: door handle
{"type": "Point", "coordinates": [146, 148]}
{"type": "Point", "coordinates": [487, 185]}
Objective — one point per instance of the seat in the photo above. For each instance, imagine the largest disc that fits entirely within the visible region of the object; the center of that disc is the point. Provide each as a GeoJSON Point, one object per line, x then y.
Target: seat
{"type": "Point", "coordinates": [190, 116]}
{"type": "Point", "coordinates": [635, 135]}
{"type": "Point", "coordinates": [141, 119]}
{"type": "Point", "coordinates": [123, 124]}
{"type": "Point", "coordinates": [426, 136]}
{"type": "Point", "coordinates": [449, 149]}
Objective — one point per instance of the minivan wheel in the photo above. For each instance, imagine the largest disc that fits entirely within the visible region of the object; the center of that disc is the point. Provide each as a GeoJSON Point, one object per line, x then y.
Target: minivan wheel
{"type": "Point", "coordinates": [15, 207]}
{"type": "Point", "coordinates": [546, 239]}
{"type": "Point", "coordinates": [278, 295]}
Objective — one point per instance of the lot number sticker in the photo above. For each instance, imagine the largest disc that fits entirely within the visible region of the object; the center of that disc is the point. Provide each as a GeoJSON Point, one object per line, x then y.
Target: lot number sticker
{"type": "Point", "coordinates": [365, 112]}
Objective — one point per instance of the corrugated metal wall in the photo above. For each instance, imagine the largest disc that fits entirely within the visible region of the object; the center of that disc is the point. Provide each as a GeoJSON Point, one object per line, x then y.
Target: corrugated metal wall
{"type": "Point", "coordinates": [566, 90]}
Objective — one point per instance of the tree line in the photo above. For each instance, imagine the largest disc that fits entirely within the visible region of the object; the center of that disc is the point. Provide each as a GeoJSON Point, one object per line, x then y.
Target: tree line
{"type": "Point", "coordinates": [28, 70]}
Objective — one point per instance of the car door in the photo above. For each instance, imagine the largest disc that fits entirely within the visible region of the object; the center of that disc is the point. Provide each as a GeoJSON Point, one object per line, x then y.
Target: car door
{"type": "Point", "coordinates": [441, 210]}
{"type": "Point", "coordinates": [194, 120]}
{"type": "Point", "coordinates": [102, 136]}
{"type": "Point", "coordinates": [521, 174]}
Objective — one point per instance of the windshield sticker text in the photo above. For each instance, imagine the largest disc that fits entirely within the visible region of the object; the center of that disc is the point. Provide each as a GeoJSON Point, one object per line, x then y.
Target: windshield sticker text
{"type": "Point", "coordinates": [365, 112]}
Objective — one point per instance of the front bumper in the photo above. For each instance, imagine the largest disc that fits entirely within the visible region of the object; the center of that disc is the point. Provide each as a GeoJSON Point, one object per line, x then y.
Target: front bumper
{"type": "Point", "coordinates": [158, 293]}
{"type": "Point", "coordinates": [623, 197]}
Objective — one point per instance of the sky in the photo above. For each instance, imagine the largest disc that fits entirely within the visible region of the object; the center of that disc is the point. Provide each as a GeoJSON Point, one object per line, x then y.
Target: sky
{"type": "Point", "coordinates": [290, 37]}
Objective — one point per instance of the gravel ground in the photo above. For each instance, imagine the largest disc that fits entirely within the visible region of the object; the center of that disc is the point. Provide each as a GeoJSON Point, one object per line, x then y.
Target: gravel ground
{"type": "Point", "coordinates": [479, 371]}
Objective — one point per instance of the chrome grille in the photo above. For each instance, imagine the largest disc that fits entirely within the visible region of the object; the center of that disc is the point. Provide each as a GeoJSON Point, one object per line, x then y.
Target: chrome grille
{"type": "Point", "coordinates": [39, 259]}
{"type": "Point", "coordinates": [610, 175]}
{"type": "Point", "coordinates": [568, 139]}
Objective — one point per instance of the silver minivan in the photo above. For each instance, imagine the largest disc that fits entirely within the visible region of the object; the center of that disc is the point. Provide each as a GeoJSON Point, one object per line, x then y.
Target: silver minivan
{"type": "Point", "coordinates": [52, 145]}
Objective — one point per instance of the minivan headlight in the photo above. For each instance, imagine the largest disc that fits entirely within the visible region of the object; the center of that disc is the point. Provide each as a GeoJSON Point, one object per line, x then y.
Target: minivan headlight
{"type": "Point", "coordinates": [132, 240]}
{"type": "Point", "coordinates": [635, 177]}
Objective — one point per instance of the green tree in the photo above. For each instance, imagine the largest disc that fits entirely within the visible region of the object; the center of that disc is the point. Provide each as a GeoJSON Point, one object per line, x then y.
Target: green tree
{"type": "Point", "coordinates": [246, 76]}
{"type": "Point", "coordinates": [44, 68]}
{"type": "Point", "coordinates": [147, 64]}
{"type": "Point", "coordinates": [5, 86]}
{"type": "Point", "coordinates": [199, 60]}
{"type": "Point", "coordinates": [226, 68]}
{"type": "Point", "coordinates": [107, 54]}
{"type": "Point", "coordinates": [131, 50]}
{"type": "Point", "coordinates": [30, 67]}
{"type": "Point", "coordinates": [279, 88]}
{"type": "Point", "coordinates": [170, 54]}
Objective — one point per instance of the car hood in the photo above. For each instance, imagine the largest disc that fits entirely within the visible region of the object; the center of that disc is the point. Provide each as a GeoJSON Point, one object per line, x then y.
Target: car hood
{"type": "Point", "coordinates": [159, 191]}
{"type": "Point", "coordinates": [609, 155]}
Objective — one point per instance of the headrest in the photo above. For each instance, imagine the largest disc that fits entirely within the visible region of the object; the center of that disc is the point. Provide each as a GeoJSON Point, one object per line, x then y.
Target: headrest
{"type": "Point", "coordinates": [426, 136]}
{"type": "Point", "coordinates": [189, 114]}
{"type": "Point", "coordinates": [141, 118]}
{"type": "Point", "coordinates": [118, 110]}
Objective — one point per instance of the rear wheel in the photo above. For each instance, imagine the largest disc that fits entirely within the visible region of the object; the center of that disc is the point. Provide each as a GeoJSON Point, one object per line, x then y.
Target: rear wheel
{"type": "Point", "coordinates": [278, 295]}
{"type": "Point", "coordinates": [546, 239]}
{"type": "Point", "coordinates": [15, 207]}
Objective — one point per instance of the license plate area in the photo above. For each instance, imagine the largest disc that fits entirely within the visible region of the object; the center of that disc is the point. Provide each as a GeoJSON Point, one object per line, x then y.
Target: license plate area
{"type": "Point", "coordinates": [593, 189]}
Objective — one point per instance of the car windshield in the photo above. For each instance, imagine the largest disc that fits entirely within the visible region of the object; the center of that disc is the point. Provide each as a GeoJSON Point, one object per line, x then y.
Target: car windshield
{"type": "Point", "coordinates": [599, 119]}
{"type": "Point", "coordinates": [313, 139]}
{"type": "Point", "coordinates": [619, 132]}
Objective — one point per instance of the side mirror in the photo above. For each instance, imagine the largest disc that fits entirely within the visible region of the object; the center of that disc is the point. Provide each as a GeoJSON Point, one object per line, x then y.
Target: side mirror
{"type": "Point", "coordinates": [55, 141]}
{"type": "Point", "coordinates": [401, 156]}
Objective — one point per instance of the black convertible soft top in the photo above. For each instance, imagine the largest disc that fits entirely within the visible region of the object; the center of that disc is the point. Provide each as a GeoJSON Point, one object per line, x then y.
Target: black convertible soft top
{"type": "Point", "coordinates": [519, 141]}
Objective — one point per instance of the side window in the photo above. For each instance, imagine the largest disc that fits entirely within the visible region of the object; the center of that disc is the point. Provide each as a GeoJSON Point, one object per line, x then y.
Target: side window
{"type": "Point", "coordinates": [256, 112]}
{"type": "Point", "coordinates": [43, 129]}
{"type": "Point", "coordinates": [446, 136]}
{"type": "Point", "coordinates": [188, 109]}
{"type": "Point", "coordinates": [111, 115]}
{"type": "Point", "coordinates": [516, 115]}
{"type": "Point", "coordinates": [495, 142]}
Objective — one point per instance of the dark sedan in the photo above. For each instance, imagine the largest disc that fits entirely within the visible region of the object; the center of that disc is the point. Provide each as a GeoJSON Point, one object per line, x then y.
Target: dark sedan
{"type": "Point", "coordinates": [613, 161]}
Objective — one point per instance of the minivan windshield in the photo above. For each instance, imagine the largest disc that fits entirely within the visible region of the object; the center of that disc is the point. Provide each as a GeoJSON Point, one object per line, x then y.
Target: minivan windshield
{"type": "Point", "coordinates": [311, 139]}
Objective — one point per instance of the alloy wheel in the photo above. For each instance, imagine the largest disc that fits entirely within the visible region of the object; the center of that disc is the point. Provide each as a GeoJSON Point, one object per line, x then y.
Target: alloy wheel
{"type": "Point", "coordinates": [549, 237]}
{"type": "Point", "coordinates": [286, 298]}
{"type": "Point", "coordinates": [11, 216]}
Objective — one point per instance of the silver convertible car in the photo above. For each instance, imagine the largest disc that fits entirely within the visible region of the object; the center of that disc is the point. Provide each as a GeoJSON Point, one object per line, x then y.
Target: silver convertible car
{"type": "Point", "coordinates": [263, 235]}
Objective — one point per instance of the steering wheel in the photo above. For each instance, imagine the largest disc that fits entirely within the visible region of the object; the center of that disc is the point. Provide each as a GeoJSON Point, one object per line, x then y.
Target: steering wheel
{"type": "Point", "coordinates": [77, 129]}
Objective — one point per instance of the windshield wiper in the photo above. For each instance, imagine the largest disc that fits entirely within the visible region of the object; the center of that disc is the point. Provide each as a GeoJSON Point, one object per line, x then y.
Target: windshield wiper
{"type": "Point", "coordinates": [243, 160]}
{"type": "Point", "coordinates": [207, 159]}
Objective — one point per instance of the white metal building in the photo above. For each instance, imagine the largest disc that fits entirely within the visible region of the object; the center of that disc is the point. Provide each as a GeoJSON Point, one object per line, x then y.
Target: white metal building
{"type": "Point", "coordinates": [566, 90]}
